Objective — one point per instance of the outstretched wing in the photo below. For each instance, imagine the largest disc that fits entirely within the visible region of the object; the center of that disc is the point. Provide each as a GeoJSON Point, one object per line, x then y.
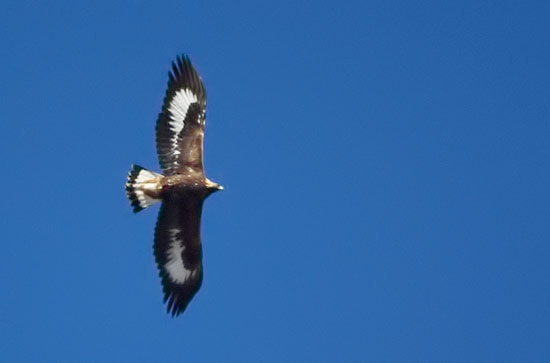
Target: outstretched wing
{"type": "Point", "coordinates": [178, 250]}
{"type": "Point", "coordinates": [180, 125]}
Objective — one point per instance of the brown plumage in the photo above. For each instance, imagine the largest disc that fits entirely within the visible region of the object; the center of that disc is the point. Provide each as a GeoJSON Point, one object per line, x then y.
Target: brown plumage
{"type": "Point", "coordinates": [182, 187]}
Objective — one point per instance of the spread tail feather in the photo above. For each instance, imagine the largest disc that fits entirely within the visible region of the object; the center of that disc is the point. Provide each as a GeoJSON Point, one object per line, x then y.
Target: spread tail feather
{"type": "Point", "coordinates": [141, 187]}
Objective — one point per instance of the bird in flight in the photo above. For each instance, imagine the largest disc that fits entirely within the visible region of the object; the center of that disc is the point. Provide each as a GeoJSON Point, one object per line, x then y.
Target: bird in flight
{"type": "Point", "coordinates": [181, 188]}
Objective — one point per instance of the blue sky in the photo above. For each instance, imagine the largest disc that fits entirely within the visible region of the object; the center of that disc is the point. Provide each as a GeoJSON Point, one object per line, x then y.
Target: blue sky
{"type": "Point", "coordinates": [386, 168]}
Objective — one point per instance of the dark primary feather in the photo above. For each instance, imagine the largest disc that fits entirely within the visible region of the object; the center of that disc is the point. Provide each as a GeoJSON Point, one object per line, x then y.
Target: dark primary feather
{"type": "Point", "coordinates": [187, 152]}
{"type": "Point", "coordinates": [182, 212]}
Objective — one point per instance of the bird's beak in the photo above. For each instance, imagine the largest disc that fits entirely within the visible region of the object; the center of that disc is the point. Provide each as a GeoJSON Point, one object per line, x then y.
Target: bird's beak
{"type": "Point", "coordinates": [211, 185]}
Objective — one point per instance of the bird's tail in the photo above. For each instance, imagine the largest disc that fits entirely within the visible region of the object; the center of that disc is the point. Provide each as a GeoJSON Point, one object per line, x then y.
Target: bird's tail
{"type": "Point", "coordinates": [142, 187]}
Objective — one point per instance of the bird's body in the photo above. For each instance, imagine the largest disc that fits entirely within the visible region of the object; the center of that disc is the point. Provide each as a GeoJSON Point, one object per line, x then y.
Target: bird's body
{"type": "Point", "coordinates": [182, 187]}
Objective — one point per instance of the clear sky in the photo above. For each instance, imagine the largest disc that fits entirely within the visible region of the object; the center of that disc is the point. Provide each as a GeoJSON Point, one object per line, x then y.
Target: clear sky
{"type": "Point", "coordinates": [386, 168]}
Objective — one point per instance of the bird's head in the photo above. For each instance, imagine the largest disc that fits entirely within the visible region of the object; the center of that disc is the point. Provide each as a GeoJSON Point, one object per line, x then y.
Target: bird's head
{"type": "Point", "coordinates": [213, 186]}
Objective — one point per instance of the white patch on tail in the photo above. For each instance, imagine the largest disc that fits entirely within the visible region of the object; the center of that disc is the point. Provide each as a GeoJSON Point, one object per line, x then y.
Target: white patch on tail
{"type": "Point", "coordinates": [140, 185]}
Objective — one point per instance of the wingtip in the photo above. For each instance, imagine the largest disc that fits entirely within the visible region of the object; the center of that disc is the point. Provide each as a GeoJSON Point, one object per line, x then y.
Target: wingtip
{"type": "Point", "coordinates": [172, 307]}
{"type": "Point", "coordinates": [180, 62]}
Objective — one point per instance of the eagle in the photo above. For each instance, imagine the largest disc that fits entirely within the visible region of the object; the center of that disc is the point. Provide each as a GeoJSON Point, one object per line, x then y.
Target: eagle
{"type": "Point", "coordinates": [181, 188]}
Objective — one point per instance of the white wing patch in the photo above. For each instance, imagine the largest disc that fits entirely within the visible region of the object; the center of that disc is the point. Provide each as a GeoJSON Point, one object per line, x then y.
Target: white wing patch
{"type": "Point", "coordinates": [175, 267]}
{"type": "Point", "coordinates": [178, 111]}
